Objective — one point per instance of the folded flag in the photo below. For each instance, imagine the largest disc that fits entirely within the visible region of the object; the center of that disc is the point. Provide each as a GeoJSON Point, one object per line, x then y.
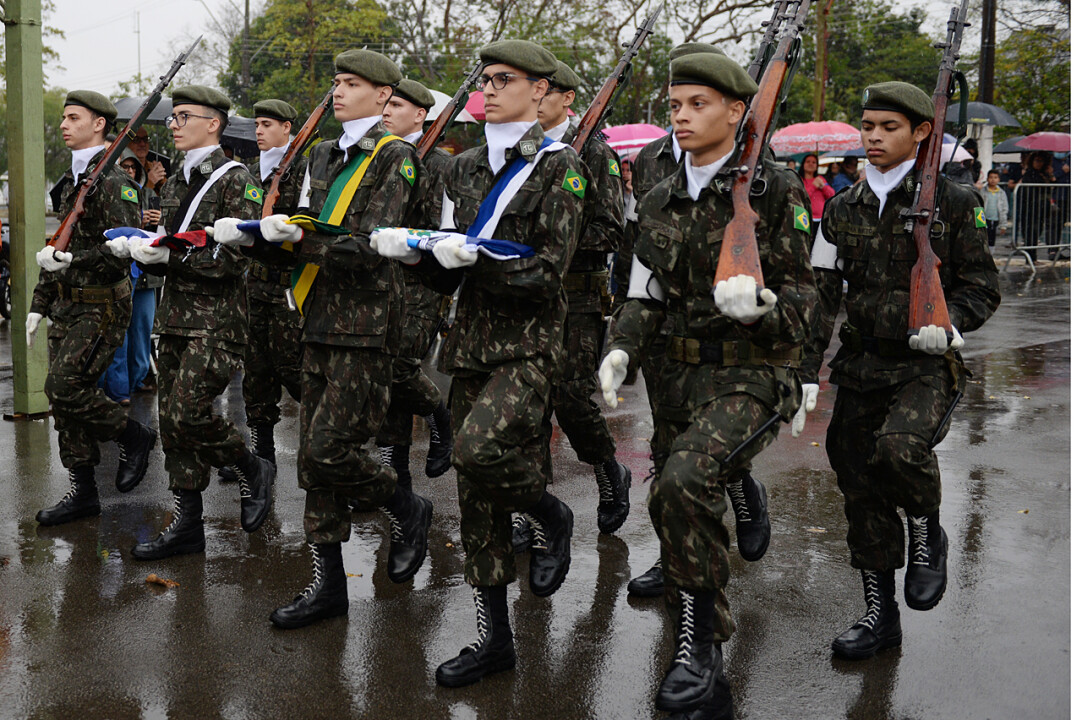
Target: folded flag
{"type": "Point", "coordinates": [425, 240]}
{"type": "Point", "coordinates": [306, 222]}
{"type": "Point", "coordinates": [179, 241]}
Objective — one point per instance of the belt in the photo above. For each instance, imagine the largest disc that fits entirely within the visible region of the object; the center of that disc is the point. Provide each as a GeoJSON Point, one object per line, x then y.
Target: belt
{"type": "Point", "coordinates": [588, 261]}
{"type": "Point", "coordinates": [586, 281]}
{"type": "Point", "coordinates": [261, 272]}
{"type": "Point", "coordinates": [852, 340]}
{"type": "Point", "coordinates": [95, 294]}
{"type": "Point", "coordinates": [728, 353]}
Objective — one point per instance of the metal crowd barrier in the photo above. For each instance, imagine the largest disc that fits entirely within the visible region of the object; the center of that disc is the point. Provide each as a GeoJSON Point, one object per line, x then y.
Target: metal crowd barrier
{"type": "Point", "coordinates": [1040, 219]}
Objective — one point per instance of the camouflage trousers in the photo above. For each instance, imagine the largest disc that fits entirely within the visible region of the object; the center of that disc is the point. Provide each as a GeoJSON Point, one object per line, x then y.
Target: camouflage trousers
{"type": "Point", "coordinates": [344, 397]}
{"type": "Point", "coordinates": [83, 415]}
{"type": "Point", "coordinates": [191, 373]}
{"type": "Point", "coordinates": [879, 444]}
{"type": "Point", "coordinates": [412, 392]}
{"type": "Point", "coordinates": [272, 360]}
{"type": "Point", "coordinates": [499, 453]}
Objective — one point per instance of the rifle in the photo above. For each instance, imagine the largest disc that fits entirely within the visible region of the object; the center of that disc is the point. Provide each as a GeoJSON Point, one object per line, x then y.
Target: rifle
{"type": "Point", "coordinates": [927, 304]}
{"type": "Point", "coordinates": [739, 247]}
{"type": "Point", "coordinates": [613, 86]}
{"type": "Point", "coordinates": [62, 237]}
{"type": "Point", "coordinates": [771, 32]}
{"type": "Point", "coordinates": [296, 147]}
{"type": "Point", "coordinates": [450, 111]}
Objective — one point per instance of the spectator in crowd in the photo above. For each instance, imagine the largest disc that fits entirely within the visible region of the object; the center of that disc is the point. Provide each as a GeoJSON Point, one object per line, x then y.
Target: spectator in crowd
{"type": "Point", "coordinates": [1060, 203]}
{"type": "Point", "coordinates": [1034, 209]}
{"type": "Point", "coordinates": [155, 171]}
{"type": "Point", "coordinates": [818, 189]}
{"type": "Point", "coordinates": [995, 205]}
{"type": "Point", "coordinates": [848, 175]}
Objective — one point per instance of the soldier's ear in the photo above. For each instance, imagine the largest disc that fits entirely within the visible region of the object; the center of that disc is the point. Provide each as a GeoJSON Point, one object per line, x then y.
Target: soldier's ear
{"type": "Point", "coordinates": [922, 131]}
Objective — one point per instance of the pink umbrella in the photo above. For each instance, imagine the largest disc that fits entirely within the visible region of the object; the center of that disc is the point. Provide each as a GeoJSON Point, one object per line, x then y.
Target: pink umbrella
{"type": "Point", "coordinates": [629, 139]}
{"type": "Point", "coordinates": [1050, 141]}
{"type": "Point", "coordinates": [475, 106]}
{"type": "Point", "coordinates": [829, 136]}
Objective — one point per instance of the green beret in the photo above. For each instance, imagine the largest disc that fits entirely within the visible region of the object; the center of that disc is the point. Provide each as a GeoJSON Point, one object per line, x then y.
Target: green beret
{"type": "Point", "coordinates": [375, 68]}
{"type": "Point", "coordinates": [274, 109]}
{"type": "Point", "coordinates": [416, 93]}
{"type": "Point", "coordinates": [713, 70]}
{"type": "Point", "coordinates": [900, 97]}
{"type": "Point", "coordinates": [92, 101]}
{"type": "Point", "coordinates": [522, 54]}
{"type": "Point", "coordinates": [565, 78]}
{"type": "Point", "coordinates": [201, 95]}
{"type": "Point", "coordinates": [689, 48]}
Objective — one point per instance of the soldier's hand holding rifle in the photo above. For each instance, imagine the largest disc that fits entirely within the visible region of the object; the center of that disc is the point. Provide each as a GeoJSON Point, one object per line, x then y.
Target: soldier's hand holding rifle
{"type": "Point", "coordinates": [737, 298]}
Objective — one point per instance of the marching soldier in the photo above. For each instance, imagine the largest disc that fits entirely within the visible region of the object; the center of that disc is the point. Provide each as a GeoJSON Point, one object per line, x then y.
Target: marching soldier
{"type": "Point", "coordinates": [87, 294]}
{"type": "Point", "coordinates": [894, 393]}
{"type": "Point", "coordinates": [741, 347]}
{"type": "Point", "coordinates": [504, 348]}
{"type": "Point", "coordinates": [353, 313]}
{"type": "Point", "coordinates": [202, 324]}
{"type": "Point", "coordinates": [413, 393]}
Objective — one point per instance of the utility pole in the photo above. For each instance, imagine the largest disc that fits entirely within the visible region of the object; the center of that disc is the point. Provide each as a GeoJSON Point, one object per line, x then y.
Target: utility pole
{"type": "Point", "coordinates": [138, 53]}
{"type": "Point", "coordinates": [245, 60]}
{"type": "Point", "coordinates": [823, 12]}
{"type": "Point", "coordinates": [986, 84]}
{"type": "Point", "coordinates": [26, 212]}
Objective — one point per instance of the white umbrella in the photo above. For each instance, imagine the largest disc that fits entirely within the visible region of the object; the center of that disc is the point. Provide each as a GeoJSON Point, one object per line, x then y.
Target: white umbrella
{"type": "Point", "coordinates": [441, 102]}
{"type": "Point", "coordinates": [953, 152]}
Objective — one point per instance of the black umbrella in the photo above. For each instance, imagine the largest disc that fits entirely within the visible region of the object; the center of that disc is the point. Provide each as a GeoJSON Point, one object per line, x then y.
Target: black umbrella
{"type": "Point", "coordinates": [1010, 145]}
{"type": "Point", "coordinates": [983, 114]}
{"type": "Point", "coordinates": [126, 108]}
{"type": "Point", "coordinates": [239, 136]}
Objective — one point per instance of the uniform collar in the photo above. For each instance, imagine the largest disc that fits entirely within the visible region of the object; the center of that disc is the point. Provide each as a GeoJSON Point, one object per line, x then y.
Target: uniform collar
{"type": "Point", "coordinates": [269, 159]}
{"type": "Point", "coordinates": [507, 140]}
{"type": "Point", "coordinates": [414, 137]}
{"type": "Point", "coordinates": [198, 157]}
{"type": "Point", "coordinates": [881, 184]}
{"type": "Point", "coordinates": [80, 160]}
{"type": "Point", "coordinates": [557, 132]}
{"type": "Point", "coordinates": [698, 178]}
{"type": "Point", "coordinates": [354, 130]}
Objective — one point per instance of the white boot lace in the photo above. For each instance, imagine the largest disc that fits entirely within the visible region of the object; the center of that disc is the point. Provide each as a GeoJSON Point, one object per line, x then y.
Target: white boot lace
{"type": "Point", "coordinates": [482, 620]}
{"type": "Point", "coordinates": [687, 625]}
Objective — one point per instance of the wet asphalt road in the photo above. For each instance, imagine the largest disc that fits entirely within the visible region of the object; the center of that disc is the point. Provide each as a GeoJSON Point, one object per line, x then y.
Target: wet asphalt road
{"type": "Point", "coordinates": [82, 635]}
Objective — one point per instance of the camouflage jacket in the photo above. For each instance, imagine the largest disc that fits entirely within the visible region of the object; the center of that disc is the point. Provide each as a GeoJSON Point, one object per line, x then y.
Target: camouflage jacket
{"type": "Point", "coordinates": [356, 300]}
{"type": "Point", "coordinates": [204, 294]}
{"type": "Point", "coordinates": [680, 242]}
{"type": "Point", "coordinates": [425, 213]}
{"type": "Point", "coordinates": [515, 309]}
{"type": "Point", "coordinates": [114, 204]}
{"type": "Point", "coordinates": [270, 256]}
{"type": "Point", "coordinates": [876, 256]}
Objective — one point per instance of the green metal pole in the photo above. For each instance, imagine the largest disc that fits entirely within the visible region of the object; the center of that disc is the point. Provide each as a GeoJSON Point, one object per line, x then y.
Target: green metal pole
{"type": "Point", "coordinates": [26, 178]}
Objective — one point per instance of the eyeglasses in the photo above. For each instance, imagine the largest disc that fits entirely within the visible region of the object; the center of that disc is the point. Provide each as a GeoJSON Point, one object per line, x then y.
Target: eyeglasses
{"type": "Point", "coordinates": [180, 120]}
{"type": "Point", "coordinates": [499, 80]}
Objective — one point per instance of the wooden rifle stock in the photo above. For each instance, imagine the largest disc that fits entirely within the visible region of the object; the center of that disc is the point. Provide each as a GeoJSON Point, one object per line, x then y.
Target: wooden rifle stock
{"type": "Point", "coordinates": [450, 111]}
{"type": "Point", "coordinates": [927, 303]}
{"type": "Point", "coordinates": [296, 148]}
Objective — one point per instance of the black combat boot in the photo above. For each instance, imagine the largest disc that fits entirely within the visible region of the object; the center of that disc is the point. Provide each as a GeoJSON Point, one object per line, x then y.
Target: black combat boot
{"type": "Point", "coordinates": [551, 523]}
{"type": "Point", "coordinates": [926, 571]}
{"type": "Point", "coordinates": [325, 597]}
{"type": "Point", "coordinates": [748, 498]}
{"type": "Point", "coordinates": [227, 474]}
{"type": "Point", "coordinates": [650, 584]}
{"type": "Point", "coordinates": [697, 665]}
{"type": "Point", "coordinates": [410, 516]}
{"type": "Point", "coordinates": [613, 505]}
{"type": "Point", "coordinates": [263, 441]}
{"type": "Point", "coordinates": [80, 501]}
{"type": "Point", "coordinates": [135, 444]}
{"type": "Point", "coordinates": [183, 536]}
{"type": "Point", "coordinates": [881, 626]}
{"type": "Point", "coordinates": [494, 649]}
{"type": "Point", "coordinates": [398, 457]}
{"type": "Point", "coordinates": [441, 441]}
{"type": "Point", "coordinates": [256, 476]}
{"type": "Point", "coordinates": [717, 706]}
{"type": "Point", "coordinates": [521, 535]}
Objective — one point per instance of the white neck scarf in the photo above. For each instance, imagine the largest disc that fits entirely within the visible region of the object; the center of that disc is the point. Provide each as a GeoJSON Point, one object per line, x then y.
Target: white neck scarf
{"type": "Point", "coordinates": [80, 160]}
{"type": "Point", "coordinates": [269, 159]}
{"type": "Point", "coordinates": [881, 183]}
{"type": "Point", "coordinates": [699, 177]}
{"type": "Point", "coordinates": [677, 151]}
{"type": "Point", "coordinates": [194, 157]}
{"type": "Point", "coordinates": [557, 133]}
{"type": "Point", "coordinates": [501, 137]}
{"type": "Point", "coordinates": [413, 137]}
{"type": "Point", "coordinates": [354, 130]}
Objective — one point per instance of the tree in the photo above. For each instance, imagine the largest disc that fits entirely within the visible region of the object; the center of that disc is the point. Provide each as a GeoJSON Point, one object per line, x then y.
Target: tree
{"type": "Point", "coordinates": [49, 55]}
{"type": "Point", "coordinates": [1033, 78]}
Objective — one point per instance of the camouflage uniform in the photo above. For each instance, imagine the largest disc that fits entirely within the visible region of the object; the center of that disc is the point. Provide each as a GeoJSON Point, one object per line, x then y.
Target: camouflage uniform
{"type": "Point", "coordinates": [503, 349]}
{"type": "Point", "coordinates": [202, 324]}
{"type": "Point", "coordinates": [88, 299]}
{"type": "Point", "coordinates": [352, 328]}
{"type": "Point", "coordinates": [273, 356]}
{"type": "Point", "coordinates": [737, 375]}
{"type": "Point", "coordinates": [891, 399]}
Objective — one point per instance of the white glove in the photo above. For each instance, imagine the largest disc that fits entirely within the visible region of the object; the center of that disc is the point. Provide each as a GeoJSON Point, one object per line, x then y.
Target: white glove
{"type": "Point", "coordinates": [275, 229]}
{"type": "Point", "coordinates": [932, 339]}
{"type": "Point", "coordinates": [809, 393]}
{"type": "Point", "coordinates": [737, 298]}
{"type": "Point", "coordinates": [391, 243]}
{"type": "Point", "coordinates": [612, 373]}
{"type": "Point", "coordinates": [450, 253]}
{"type": "Point", "coordinates": [225, 232]}
{"type": "Point", "coordinates": [32, 321]}
{"type": "Point", "coordinates": [51, 260]}
{"type": "Point", "coordinates": [149, 255]}
{"type": "Point", "coordinates": [119, 247]}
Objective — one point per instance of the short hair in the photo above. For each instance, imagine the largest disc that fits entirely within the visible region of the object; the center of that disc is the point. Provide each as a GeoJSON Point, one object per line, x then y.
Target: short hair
{"type": "Point", "coordinates": [222, 117]}
{"type": "Point", "coordinates": [993, 171]}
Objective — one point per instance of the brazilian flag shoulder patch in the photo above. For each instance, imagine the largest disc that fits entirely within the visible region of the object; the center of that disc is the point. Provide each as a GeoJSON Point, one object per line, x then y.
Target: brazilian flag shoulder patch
{"type": "Point", "coordinates": [129, 193]}
{"type": "Point", "coordinates": [575, 183]}
{"type": "Point", "coordinates": [408, 171]}
{"type": "Point", "coordinates": [614, 167]}
{"type": "Point", "coordinates": [801, 219]}
{"type": "Point", "coordinates": [253, 193]}
{"type": "Point", "coordinates": [978, 217]}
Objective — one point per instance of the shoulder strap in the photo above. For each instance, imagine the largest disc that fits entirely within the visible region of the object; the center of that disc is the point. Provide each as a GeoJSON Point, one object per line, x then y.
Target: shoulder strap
{"type": "Point", "coordinates": [195, 195]}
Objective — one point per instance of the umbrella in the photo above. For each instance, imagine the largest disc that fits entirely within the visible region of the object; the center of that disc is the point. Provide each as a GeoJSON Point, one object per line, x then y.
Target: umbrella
{"type": "Point", "coordinates": [627, 139]}
{"type": "Point", "coordinates": [475, 106]}
{"type": "Point", "coordinates": [441, 102]}
{"type": "Point", "coordinates": [1050, 141]}
{"type": "Point", "coordinates": [127, 107]}
{"type": "Point", "coordinates": [815, 137]}
{"type": "Point", "coordinates": [1010, 145]}
{"type": "Point", "coordinates": [953, 152]}
{"type": "Point", "coordinates": [983, 114]}
{"type": "Point", "coordinates": [240, 136]}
